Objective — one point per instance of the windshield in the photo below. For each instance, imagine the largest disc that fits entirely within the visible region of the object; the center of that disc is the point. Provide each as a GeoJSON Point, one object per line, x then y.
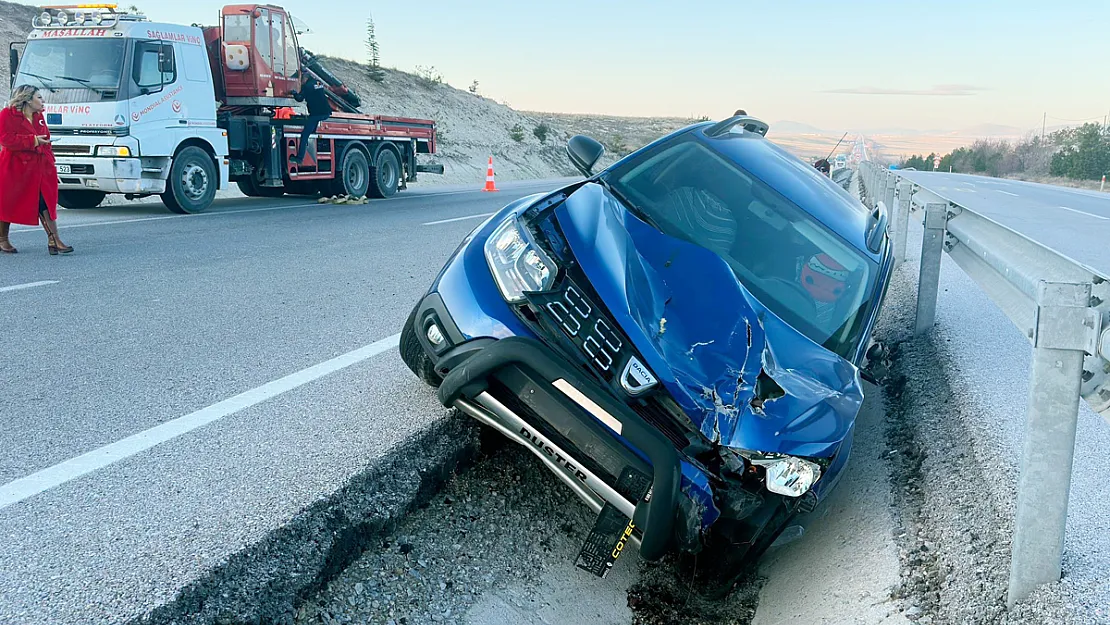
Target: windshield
{"type": "Point", "coordinates": [77, 70]}
{"type": "Point", "coordinates": [791, 263]}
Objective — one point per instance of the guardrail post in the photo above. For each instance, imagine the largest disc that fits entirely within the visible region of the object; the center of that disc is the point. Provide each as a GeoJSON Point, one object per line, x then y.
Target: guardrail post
{"type": "Point", "coordinates": [888, 191]}
{"type": "Point", "coordinates": [902, 221]}
{"type": "Point", "coordinates": [1063, 332]}
{"type": "Point", "coordinates": [932, 248]}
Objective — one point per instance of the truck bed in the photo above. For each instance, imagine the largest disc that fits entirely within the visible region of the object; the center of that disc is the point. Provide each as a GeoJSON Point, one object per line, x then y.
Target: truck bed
{"type": "Point", "coordinates": [348, 125]}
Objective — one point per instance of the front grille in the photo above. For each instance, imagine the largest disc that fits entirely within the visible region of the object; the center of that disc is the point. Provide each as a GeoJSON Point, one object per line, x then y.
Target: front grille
{"type": "Point", "coordinates": [656, 408]}
{"type": "Point", "coordinates": [71, 149]}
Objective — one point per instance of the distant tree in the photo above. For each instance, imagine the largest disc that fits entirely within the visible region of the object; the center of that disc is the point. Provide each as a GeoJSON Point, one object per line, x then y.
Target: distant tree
{"type": "Point", "coordinates": [1082, 152]}
{"type": "Point", "coordinates": [375, 72]}
{"type": "Point", "coordinates": [516, 133]}
{"type": "Point", "coordinates": [540, 131]}
{"type": "Point", "coordinates": [474, 87]}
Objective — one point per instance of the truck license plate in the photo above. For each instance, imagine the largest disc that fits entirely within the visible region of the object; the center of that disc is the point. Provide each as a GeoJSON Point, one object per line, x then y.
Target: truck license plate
{"type": "Point", "coordinates": [64, 169]}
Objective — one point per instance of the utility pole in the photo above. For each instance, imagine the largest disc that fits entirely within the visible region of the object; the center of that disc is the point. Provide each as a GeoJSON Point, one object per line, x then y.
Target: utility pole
{"type": "Point", "coordinates": [1044, 120]}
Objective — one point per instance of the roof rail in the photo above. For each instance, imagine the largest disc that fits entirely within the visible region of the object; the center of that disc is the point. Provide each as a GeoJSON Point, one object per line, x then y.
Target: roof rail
{"type": "Point", "coordinates": [746, 122]}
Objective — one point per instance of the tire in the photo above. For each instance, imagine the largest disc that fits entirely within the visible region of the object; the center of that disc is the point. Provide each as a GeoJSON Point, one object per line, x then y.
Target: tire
{"type": "Point", "coordinates": [354, 174]}
{"type": "Point", "coordinates": [81, 199]}
{"type": "Point", "coordinates": [251, 188]}
{"type": "Point", "coordinates": [413, 355]}
{"type": "Point", "coordinates": [738, 555]}
{"type": "Point", "coordinates": [385, 175]}
{"type": "Point", "coordinates": [193, 182]}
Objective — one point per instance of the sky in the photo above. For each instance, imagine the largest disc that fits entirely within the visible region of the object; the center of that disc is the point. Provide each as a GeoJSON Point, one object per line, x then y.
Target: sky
{"type": "Point", "coordinates": [861, 65]}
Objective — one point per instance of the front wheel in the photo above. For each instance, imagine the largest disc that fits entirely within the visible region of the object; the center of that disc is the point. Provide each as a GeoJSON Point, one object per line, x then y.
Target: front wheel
{"type": "Point", "coordinates": [413, 355]}
{"type": "Point", "coordinates": [385, 175]}
{"type": "Point", "coordinates": [192, 184]}
{"type": "Point", "coordinates": [80, 199]}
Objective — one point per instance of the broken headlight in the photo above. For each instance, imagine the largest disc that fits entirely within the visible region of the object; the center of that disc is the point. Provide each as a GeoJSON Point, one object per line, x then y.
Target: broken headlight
{"type": "Point", "coordinates": [789, 476]}
{"type": "Point", "coordinates": [518, 265]}
{"type": "Point", "coordinates": [786, 475]}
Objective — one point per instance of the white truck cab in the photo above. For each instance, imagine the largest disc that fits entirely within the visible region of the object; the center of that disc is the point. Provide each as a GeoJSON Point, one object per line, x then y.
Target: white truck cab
{"type": "Point", "coordinates": [132, 103]}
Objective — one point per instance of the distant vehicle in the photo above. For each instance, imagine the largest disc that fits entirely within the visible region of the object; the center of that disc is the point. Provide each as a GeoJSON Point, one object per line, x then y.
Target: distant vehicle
{"type": "Point", "coordinates": [680, 338]}
{"type": "Point", "coordinates": [145, 108]}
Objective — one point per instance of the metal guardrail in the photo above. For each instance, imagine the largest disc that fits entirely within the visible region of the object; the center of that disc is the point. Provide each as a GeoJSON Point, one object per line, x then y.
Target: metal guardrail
{"type": "Point", "coordinates": [1063, 309]}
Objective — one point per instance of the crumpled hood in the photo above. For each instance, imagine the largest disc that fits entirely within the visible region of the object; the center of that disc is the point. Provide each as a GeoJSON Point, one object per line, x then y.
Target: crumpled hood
{"type": "Point", "coordinates": [744, 377]}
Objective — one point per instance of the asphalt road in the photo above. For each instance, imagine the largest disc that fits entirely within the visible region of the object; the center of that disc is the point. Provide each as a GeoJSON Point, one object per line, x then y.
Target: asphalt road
{"type": "Point", "coordinates": [1075, 222]}
{"type": "Point", "coordinates": [255, 343]}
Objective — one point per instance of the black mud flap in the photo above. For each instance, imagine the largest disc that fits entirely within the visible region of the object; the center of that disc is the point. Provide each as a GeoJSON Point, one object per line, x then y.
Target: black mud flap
{"type": "Point", "coordinates": [612, 530]}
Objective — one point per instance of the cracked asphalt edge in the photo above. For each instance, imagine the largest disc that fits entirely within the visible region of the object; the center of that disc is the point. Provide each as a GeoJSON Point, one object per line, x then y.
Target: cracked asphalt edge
{"type": "Point", "coordinates": [266, 581]}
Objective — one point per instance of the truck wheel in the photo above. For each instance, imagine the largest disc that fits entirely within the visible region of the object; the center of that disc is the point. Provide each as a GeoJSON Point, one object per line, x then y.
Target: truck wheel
{"type": "Point", "coordinates": [385, 175]}
{"type": "Point", "coordinates": [192, 184]}
{"type": "Point", "coordinates": [354, 174]}
{"type": "Point", "coordinates": [80, 199]}
{"type": "Point", "coordinates": [413, 355]}
{"type": "Point", "coordinates": [251, 188]}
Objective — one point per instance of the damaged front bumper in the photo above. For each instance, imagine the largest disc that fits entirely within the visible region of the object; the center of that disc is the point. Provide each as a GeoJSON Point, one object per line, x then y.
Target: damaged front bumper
{"type": "Point", "coordinates": [534, 397]}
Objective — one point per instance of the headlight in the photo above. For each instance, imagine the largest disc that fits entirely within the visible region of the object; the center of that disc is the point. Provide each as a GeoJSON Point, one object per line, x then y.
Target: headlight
{"type": "Point", "coordinates": [789, 476]}
{"type": "Point", "coordinates": [113, 150]}
{"type": "Point", "coordinates": [517, 264]}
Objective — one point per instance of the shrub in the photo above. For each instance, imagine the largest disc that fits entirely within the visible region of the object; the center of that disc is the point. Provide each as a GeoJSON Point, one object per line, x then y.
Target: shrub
{"type": "Point", "coordinates": [516, 133]}
{"type": "Point", "coordinates": [428, 76]}
{"type": "Point", "coordinates": [541, 131]}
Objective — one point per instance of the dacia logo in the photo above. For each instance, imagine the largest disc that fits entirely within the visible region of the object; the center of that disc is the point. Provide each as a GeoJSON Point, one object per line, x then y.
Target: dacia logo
{"type": "Point", "coordinates": [637, 379]}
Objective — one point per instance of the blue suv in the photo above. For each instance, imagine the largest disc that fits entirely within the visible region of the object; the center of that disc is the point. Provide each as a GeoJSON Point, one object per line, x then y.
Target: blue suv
{"type": "Point", "coordinates": [680, 338]}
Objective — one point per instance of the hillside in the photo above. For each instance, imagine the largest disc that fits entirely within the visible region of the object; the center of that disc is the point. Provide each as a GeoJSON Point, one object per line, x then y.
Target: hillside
{"type": "Point", "coordinates": [470, 127]}
{"type": "Point", "coordinates": [15, 22]}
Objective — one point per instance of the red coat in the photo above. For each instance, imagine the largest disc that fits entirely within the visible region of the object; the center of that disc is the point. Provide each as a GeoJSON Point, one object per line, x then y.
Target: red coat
{"type": "Point", "coordinates": [25, 171]}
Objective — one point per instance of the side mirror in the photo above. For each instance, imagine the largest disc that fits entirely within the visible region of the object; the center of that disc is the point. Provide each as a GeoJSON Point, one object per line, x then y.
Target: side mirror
{"type": "Point", "coordinates": [13, 64]}
{"type": "Point", "coordinates": [584, 152]}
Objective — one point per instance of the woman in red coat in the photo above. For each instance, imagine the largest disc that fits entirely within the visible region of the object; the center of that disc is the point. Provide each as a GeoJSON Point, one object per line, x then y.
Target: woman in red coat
{"type": "Point", "coordinates": [28, 175]}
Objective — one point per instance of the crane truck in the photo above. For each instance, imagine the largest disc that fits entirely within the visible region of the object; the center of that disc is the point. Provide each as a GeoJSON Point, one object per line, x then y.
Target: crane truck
{"type": "Point", "coordinates": [142, 108]}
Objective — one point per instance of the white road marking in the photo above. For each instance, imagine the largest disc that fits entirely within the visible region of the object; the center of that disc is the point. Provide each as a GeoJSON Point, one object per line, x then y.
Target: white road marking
{"type": "Point", "coordinates": [139, 219]}
{"type": "Point", "coordinates": [16, 491]}
{"type": "Point", "coordinates": [248, 210]}
{"type": "Point", "coordinates": [1006, 192]}
{"type": "Point", "coordinates": [1084, 213]}
{"type": "Point", "coordinates": [447, 221]}
{"type": "Point", "coordinates": [29, 285]}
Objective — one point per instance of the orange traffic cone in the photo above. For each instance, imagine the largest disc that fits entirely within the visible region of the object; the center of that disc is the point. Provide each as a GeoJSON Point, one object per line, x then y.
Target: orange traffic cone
{"type": "Point", "coordinates": [490, 186]}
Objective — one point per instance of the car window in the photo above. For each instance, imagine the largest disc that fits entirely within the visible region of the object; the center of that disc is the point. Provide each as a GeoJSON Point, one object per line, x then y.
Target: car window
{"type": "Point", "coordinates": [804, 273]}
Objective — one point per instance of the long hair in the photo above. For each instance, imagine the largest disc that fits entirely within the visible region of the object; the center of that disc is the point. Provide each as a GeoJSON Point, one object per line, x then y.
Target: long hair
{"type": "Point", "coordinates": [22, 96]}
